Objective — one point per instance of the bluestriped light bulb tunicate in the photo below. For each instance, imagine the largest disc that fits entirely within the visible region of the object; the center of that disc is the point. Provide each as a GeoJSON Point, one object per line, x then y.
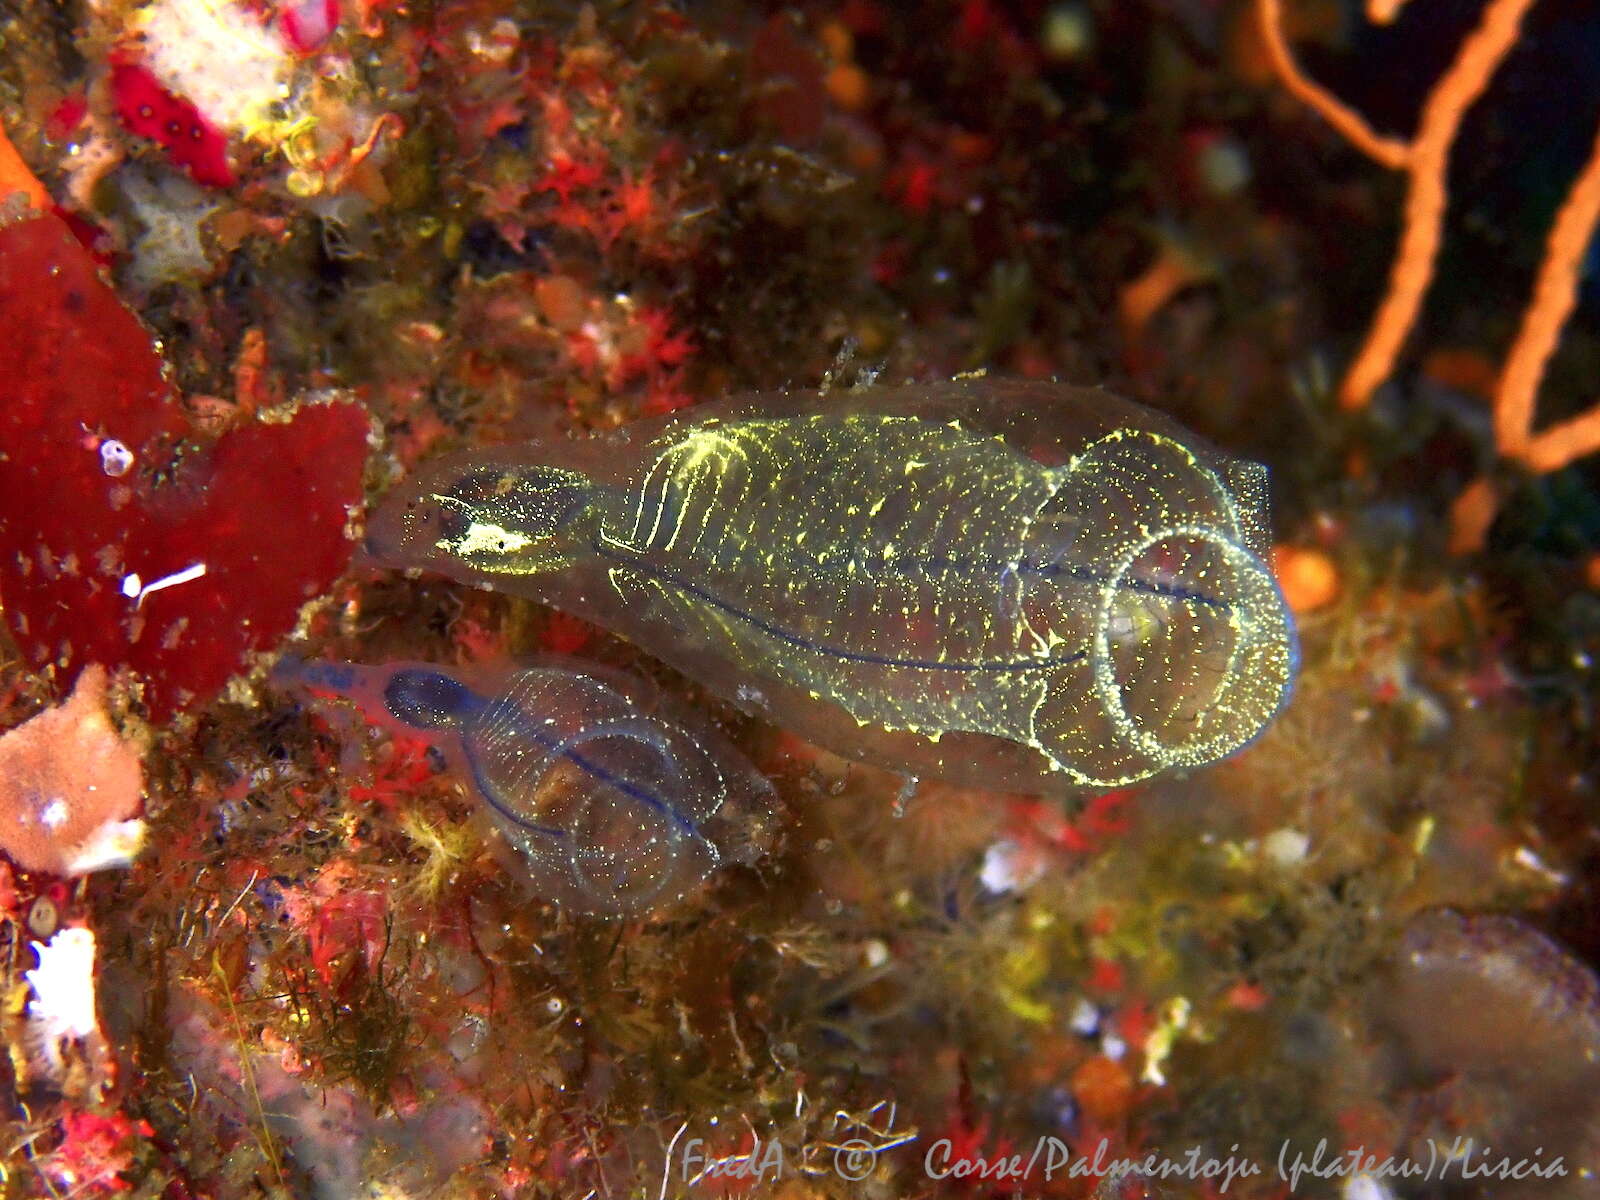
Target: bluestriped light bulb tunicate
{"type": "Point", "coordinates": [1009, 584]}
{"type": "Point", "coordinates": [615, 809]}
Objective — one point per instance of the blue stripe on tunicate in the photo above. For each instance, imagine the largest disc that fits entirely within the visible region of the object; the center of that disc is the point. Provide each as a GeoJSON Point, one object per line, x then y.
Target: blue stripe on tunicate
{"type": "Point", "coordinates": [794, 639]}
{"type": "Point", "coordinates": [1046, 571]}
{"type": "Point", "coordinates": [1131, 583]}
{"type": "Point", "coordinates": [335, 677]}
{"type": "Point", "coordinates": [594, 770]}
{"type": "Point", "coordinates": [431, 691]}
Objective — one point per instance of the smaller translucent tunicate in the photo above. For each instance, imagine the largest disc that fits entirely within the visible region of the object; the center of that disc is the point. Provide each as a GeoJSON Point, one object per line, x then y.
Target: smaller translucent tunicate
{"type": "Point", "coordinates": [616, 809]}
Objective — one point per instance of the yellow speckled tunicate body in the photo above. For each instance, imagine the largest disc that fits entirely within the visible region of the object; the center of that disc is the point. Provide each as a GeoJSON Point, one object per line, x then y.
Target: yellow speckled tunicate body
{"type": "Point", "coordinates": [886, 602]}
{"type": "Point", "coordinates": [939, 582]}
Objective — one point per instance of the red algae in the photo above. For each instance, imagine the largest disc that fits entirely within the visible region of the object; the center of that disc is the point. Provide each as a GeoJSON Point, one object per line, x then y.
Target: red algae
{"type": "Point", "coordinates": [73, 355]}
{"type": "Point", "coordinates": [115, 547]}
{"type": "Point", "coordinates": [97, 1148]}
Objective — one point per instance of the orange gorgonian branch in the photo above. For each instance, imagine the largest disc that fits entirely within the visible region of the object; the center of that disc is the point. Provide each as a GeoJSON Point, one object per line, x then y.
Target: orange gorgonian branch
{"type": "Point", "coordinates": [1425, 159]}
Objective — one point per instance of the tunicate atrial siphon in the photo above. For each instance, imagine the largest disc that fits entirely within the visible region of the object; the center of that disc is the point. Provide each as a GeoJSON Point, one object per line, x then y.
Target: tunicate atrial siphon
{"type": "Point", "coordinates": [1008, 584]}
{"type": "Point", "coordinates": [615, 809]}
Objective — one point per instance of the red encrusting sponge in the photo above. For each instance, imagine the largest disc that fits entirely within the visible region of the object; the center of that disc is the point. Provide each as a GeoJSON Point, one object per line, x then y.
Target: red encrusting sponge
{"type": "Point", "coordinates": [151, 111]}
{"type": "Point", "coordinates": [126, 538]}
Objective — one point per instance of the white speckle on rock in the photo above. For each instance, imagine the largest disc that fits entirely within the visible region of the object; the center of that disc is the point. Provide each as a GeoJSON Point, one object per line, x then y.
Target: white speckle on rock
{"type": "Point", "coordinates": [1285, 847]}
{"type": "Point", "coordinates": [63, 988]}
{"type": "Point", "coordinates": [1085, 1018]}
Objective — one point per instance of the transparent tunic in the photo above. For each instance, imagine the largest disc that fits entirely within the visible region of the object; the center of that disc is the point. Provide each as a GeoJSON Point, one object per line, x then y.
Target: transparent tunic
{"type": "Point", "coordinates": [617, 809]}
{"type": "Point", "coordinates": [1010, 584]}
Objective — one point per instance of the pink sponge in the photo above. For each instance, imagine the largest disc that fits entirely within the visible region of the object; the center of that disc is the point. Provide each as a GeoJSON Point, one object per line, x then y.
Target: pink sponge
{"type": "Point", "coordinates": [70, 785]}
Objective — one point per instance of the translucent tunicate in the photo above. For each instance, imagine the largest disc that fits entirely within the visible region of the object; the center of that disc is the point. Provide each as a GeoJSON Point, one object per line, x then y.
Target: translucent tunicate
{"type": "Point", "coordinates": [1009, 584]}
{"type": "Point", "coordinates": [616, 809]}
{"type": "Point", "coordinates": [1491, 1031]}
